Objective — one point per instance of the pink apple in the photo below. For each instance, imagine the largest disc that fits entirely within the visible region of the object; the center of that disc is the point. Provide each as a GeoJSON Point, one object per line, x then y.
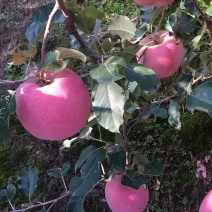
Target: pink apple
{"type": "Point", "coordinates": [121, 198]}
{"type": "Point", "coordinates": [161, 53]}
{"type": "Point", "coordinates": [56, 110]}
{"type": "Point", "coordinates": [156, 3]}
{"type": "Point", "coordinates": [206, 205]}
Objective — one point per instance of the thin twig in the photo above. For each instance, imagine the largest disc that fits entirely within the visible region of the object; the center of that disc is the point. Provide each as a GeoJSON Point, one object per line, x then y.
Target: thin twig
{"type": "Point", "coordinates": [46, 34]}
{"type": "Point", "coordinates": [44, 203]}
{"type": "Point", "coordinates": [126, 139]}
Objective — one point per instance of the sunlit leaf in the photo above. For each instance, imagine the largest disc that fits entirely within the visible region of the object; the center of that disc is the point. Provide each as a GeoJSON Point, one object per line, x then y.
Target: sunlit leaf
{"type": "Point", "coordinates": [201, 98]}
{"type": "Point", "coordinates": [18, 57]}
{"type": "Point", "coordinates": [85, 133]}
{"type": "Point", "coordinates": [122, 26]}
{"type": "Point", "coordinates": [108, 72]}
{"type": "Point", "coordinates": [59, 172]}
{"type": "Point", "coordinates": [108, 106]}
{"type": "Point", "coordinates": [174, 115]}
{"type": "Point", "coordinates": [66, 53]}
{"type": "Point", "coordinates": [28, 180]}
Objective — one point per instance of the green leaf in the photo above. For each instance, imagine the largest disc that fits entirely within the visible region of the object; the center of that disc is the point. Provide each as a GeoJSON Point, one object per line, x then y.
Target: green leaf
{"type": "Point", "coordinates": [75, 204]}
{"type": "Point", "coordinates": [149, 14]}
{"type": "Point", "coordinates": [158, 111]}
{"type": "Point", "coordinates": [28, 180]}
{"type": "Point", "coordinates": [122, 26]}
{"type": "Point", "coordinates": [40, 17]}
{"type": "Point", "coordinates": [201, 98]}
{"type": "Point", "coordinates": [53, 62]}
{"type": "Point", "coordinates": [118, 160]}
{"type": "Point", "coordinates": [41, 14]}
{"type": "Point", "coordinates": [7, 194]}
{"type": "Point", "coordinates": [91, 172]}
{"type": "Point", "coordinates": [84, 155]}
{"type": "Point", "coordinates": [85, 20]}
{"type": "Point", "coordinates": [209, 11]}
{"type": "Point", "coordinates": [133, 181]}
{"type": "Point", "coordinates": [108, 72]}
{"type": "Point", "coordinates": [146, 78]}
{"type": "Point", "coordinates": [128, 53]}
{"type": "Point", "coordinates": [174, 115]}
{"type": "Point", "coordinates": [182, 24]}
{"type": "Point", "coordinates": [108, 106]}
{"type": "Point", "coordinates": [5, 132]}
{"type": "Point", "coordinates": [153, 168]}
{"type": "Point", "coordinates": [59, 172]}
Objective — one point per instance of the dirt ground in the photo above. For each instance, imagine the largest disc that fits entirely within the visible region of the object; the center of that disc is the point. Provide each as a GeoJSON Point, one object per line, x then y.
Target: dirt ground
{"type": "Point", "coordinates": [15, 17]}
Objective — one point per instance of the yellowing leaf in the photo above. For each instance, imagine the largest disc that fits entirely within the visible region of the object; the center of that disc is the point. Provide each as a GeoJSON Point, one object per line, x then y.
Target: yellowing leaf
{"type": "Point", "coordinates": [19, 57]}
{"type": "Point", "coordinates": [66, 53]}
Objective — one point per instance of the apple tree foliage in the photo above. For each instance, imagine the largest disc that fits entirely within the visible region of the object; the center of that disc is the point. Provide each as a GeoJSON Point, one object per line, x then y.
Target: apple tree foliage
{"type": "Point", "coordinates": [123, 93]}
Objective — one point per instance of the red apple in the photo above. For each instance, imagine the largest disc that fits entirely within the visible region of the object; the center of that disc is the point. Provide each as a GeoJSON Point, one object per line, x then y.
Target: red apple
{"type": "Point", "coordinates": [156, 3]}
{"type": "Point", "coordinates": [121, 198]}
{"type": "Point", "coordinates": [56, 110]}
{"type": "Point", "coordinates": [161, 53]}
{"type": "Point", "coordinates": [206, 205]}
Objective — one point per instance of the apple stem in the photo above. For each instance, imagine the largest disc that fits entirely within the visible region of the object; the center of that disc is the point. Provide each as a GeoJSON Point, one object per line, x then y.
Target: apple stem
{"type": "Point", "coordinates": [126, 139]}
{"type": "Point", "coordinates": [161, 21]}
{"type": "Point", "coordinates": [207, 21]}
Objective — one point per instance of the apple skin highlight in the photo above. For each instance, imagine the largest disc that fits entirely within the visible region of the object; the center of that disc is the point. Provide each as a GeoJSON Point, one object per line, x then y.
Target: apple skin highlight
{"type": "Point", "coordinates": [121, 198]}
{"type": "Point", "coordinates": [54, 111]}
{"type": "Point", "coordinates": [155, 3]}
{"type": "Point", "coordinates": [161, 53]}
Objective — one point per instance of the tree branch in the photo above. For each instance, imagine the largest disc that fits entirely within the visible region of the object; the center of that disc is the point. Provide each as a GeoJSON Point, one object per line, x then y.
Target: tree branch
{"type": "Point", "coordinates": [46, 34]}
{"type": "Point", "coordinates": [70, 23]}
{"type": "Point", "coordinates": [126, 139]}
{"type": "Point", "coordinates": [43, 203]}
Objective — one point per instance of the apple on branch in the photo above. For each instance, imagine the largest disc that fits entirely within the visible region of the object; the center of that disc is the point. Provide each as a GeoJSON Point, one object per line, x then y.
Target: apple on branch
{"type": "Point", "coordinates": [121, 198]}
{"type": "Point", "coordinates": [161, 52]}
{"type": "Point", "coordinates": [206, 205]}
{"type": "Point", "coordinates": [155, 3]}
{"type": "Point", "coordinates": [54, 107]}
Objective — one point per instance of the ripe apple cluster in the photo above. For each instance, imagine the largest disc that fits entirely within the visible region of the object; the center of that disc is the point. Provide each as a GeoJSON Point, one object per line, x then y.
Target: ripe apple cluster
{"type": "Point", "coordinates": [121, 198]}
{"type": "Point", "coordinates": [156, 3]}
{"type": "Point", "coordinates": [161, 52]}
{"type": "Point", "coordinates": [53, 108]}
